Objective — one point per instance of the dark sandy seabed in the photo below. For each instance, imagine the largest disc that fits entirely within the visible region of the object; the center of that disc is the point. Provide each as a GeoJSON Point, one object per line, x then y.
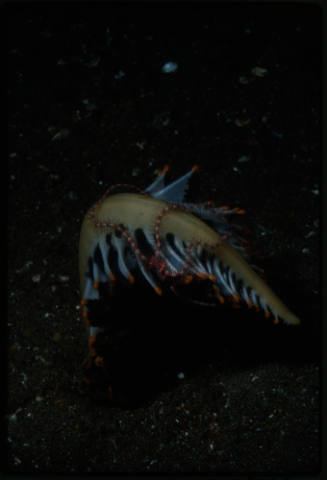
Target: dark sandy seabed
{"type": "Point", "coordinates": [197, 390]}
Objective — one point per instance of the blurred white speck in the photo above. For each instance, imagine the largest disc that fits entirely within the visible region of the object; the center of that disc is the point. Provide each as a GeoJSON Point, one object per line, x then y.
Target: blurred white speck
{"type": "Point", "coordinates": [305, 250]}
{"type": "Point", "coordinates": [46, 33]}
{"type": "Point", "coordinates": [236, 169]}
{"type": "Point", "coordinates": [259, 71]}
{"type": "Point", "coordinates": [38, 357]}
{"type": "Point", "coordinates": [94, 62]}
{"type": "Point", "coordinates": [57, 136]}
{"type": "Point", "coordinates": [141, 145]}
{"type": "Point", "coordinates": [90, 107]}
{"type": "Point", "coordinates": [72, 195]}
{"type": "Point", "coordinates": [53, 176]}
{"type": "Point", "coordinates": [181, 375]}
{"type": "Point", "coordinates": [13, 155]}
{"type": "Point", "coordinates": [310, 234]}
{"type": "Point", "coordinates": [243, 80]}
{"type": "Point", "coordinates": [277, 134]}
{"type": "Point", "coordinates": [120, 74]}
{"type": "Point", "coordinates": [36, 278]}
{"type": "Point", "coordinates": [63, 133]}
{"type": "Point", "coordinates": [13, 416]}
{"type": "Point", "coordinates": [108, 37]}
{"type": "Point", "coordinates": [113, 441]}
{"type": "Point", "coordinates": [240, 123]}
{"type": "Point", "coordinates": [315, 191]}
{"type": "Point", "coordinates": [243, 159]}
{"type": "Point", "coordinates": [100, 182]}
{"type": "Point", "coordinates": [63, 278]}
{"type": "Point", "coordinates": [169, 67]}
{"type": "Point", "coordinates": [38, 398]}
{"type": "Point", "coordinates": [135, 172]}
{"type": "Point", "coordinates": [17, 461]}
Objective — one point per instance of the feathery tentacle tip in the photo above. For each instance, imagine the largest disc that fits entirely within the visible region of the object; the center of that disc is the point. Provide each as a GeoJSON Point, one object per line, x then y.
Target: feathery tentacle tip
{"type": "Point", "coordinates": [92, 340]}
{"type": "Point", "coordinates": [165, 169]}
{"type": "Point", "coordinates": [131, 279]}
{"type": "Point", "coordinates": [236, 298]}
{"type": "Point", "coordinates": [240, 211]}
{"type": "Point", "coordinates": [99, 361]}
{"type": "Point", "coordinates": [112, 278]}
{"type": "Point", "coordinates": [188, 279]}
